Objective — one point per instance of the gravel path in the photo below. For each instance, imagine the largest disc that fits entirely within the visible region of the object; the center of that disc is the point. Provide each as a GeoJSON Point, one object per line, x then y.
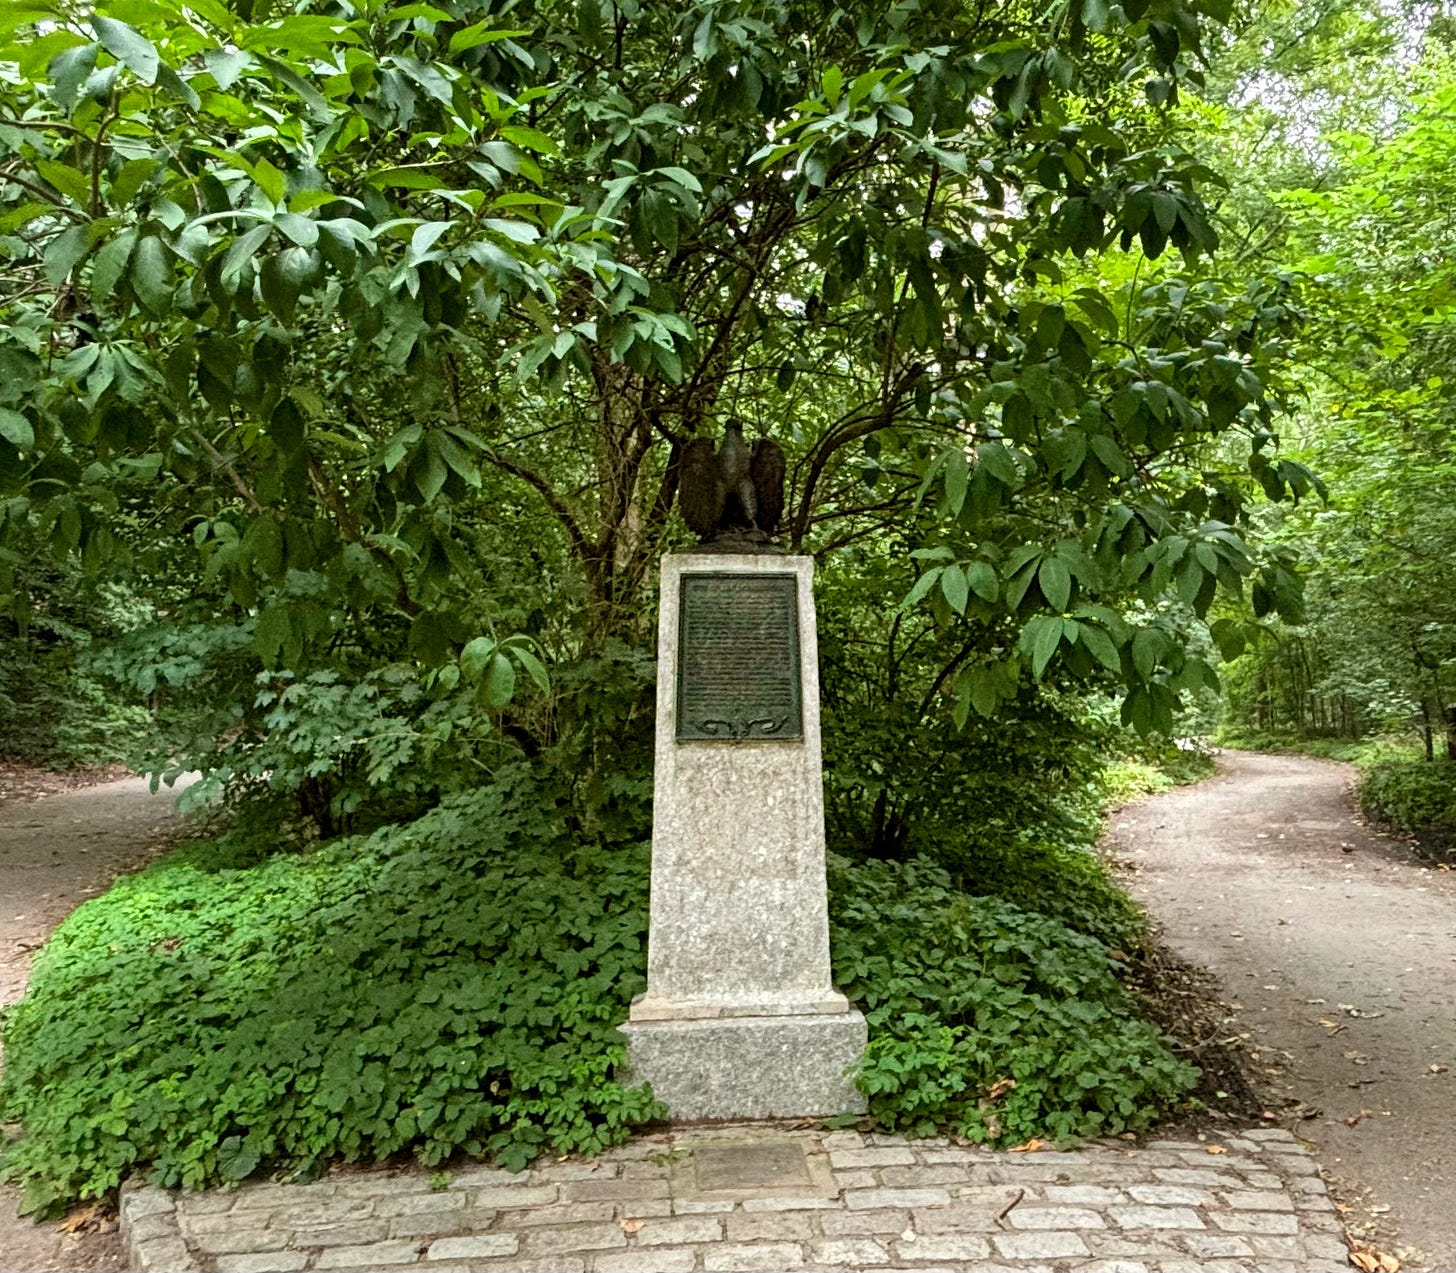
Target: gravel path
{"type": "Point", "coordinates": [1338, 948]}
{"type": "Point", "coordinates": [55, 853]}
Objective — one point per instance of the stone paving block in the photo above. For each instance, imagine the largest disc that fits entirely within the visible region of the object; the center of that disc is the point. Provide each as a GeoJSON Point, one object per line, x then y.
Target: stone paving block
{"type": "Point", "coordinates": [701, 1206]}
{"type": "Point", "coordinates": [350, 1233]}
{"type": "Point", "coordinates": [240, 1241]}
{"type": "Point", "coordinates": [1309, 1185]}
{"type": "Point", "coordinates": [625, 1190]}
{"type": "Point", "coordinates": [1025, 1217]}
{"type": "Point", "coordinates": [645, 1171]}
{"type": "Point", "coordinates": [556, 1173]}
{"type": "Point", "coordinates": [1264, 1180]}
{"type": "Point", "coordinates": [217, 1222]}
{"type": "Point", "coordinates": [1203, 1177]}
{"type": "Point", "coordinates": [946, 1247]}
{"type": "Point", "coordinates": [268, 1194]}
{"type": "Point", "coordinates": [481, 1175]}
{"type": "Point", "coordinates": [922, 1174]}
{"type": "Point", "coordinates": [365, 1184]}
{"type": "Point", "coordinates": [512, 1264]}
{"type": "Point", "coordinates": [863, 1178]}
{"type": "Point", "coordinates": [679, 1230]}
{"type": "Point", "coordinates": [1272, 1247]}
{"type": "Point", "coordinates": [786, 1204]}
{"type": "Point", "coordinates": [321, 1214]}
{"type": "Point", "coordinates": [1082, 1195]}
{"type": "Point", "coordinates": [842, 1140]}
{"type": "Point", "coordinates": [1326, 1249]}
{"type": "Point", "coordinates": [874, 1199]}
{"type": "Point", "coordinates": [1256, 1221]}
{"type": "Point", "coordinates": [1210, 1246]}
{"type": "Point", "coordinates": [520, 1195]}
{"type": "Point", "coordinates": [1300, 1164]}
{"type": "Point", "coordinates": [837, 1223]}
{"type": "Point", "coordinates": [959, 1217]}
{"type": "Point", "coordinates": [660, 1260]}
{"type": "Point", "coordinates": [878, 1156]}
{"type": "Point", "coordinates": [209, 1203]}
{"type": "Point", "coordinates": [373, 1255]}
{"type": "Point", "coordinates": [413, 1204]}
{"type": "Point", "coordinates": [1269, 1134]}
{"type": "Point", "coordinates": [164, 1255]}
{"type": "Point", "coordinates": [480, 1246]}
{"type": "Point", "coordinates": [768, 1257]}
{"type": "Point", "coordinates": [641, 1209]}
{"type": "Point", "coordinates": [262, 1262]}
{"type": "Point", "coordinates": [1148, 1217]}
{"type": "Point", "coordinates": [779, 1226]}
{"type": "Point", "coordinates": [559, 1239]}
{"type": "Point", "coordinates": [1261, 1200]}
{"type": "Point", "coordinates": [145, 1200]}
{"type": "Point", "coordinates": [438, 1224]}
{"type": "Point", "coordinates": [150, 1228]}
{"type": "Point", "coordinates": [1113, 1266]}
{"type": "Point", "coordinates": [1172, 1195]}
{"type": "Point", "coordinates": [1040, 1246]}
{"type": "Point", "coordinates": [558, 1213]}
{"type": "Point", "coordinates": [847, 1252]}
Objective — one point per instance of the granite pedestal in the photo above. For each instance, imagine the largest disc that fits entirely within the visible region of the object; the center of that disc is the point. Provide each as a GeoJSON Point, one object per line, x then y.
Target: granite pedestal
{"type": "Point", "coordinates": [740, 1018]}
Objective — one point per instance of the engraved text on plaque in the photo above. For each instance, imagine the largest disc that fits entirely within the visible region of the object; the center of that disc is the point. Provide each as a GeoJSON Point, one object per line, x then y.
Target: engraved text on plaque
{"type": "Point", "coordinates": [738, 659]}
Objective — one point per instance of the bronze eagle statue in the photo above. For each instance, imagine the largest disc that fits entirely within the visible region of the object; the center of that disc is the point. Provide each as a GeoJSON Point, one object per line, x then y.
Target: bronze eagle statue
{"type": "Point", "coordinates": [732, 492]}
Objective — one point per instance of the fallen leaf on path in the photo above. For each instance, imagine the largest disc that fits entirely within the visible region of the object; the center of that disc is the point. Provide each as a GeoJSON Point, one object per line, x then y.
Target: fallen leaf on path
{"type": "Point", "coordinates": [82, 1219]}
{"type": "Point", "coordinates": [1439, 1069]}
{"type": "Point", "coordinates": [1372, 1261]}
{"type": "Point", "coordinates": [1028, 1147]}
{"type": "Point", "coordinates": [1214, 1149]}
{"type": "Point", "coordinates": [632, 1226]}
{"type": "Point", "coordinates": [1000, 1088]}
{"type": "Point", "coordinates": [1354, 1119]}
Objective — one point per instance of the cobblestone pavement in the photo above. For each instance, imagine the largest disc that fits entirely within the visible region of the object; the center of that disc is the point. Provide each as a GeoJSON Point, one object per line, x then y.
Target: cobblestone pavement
{"type": "Point", "coordinates": [764, 1197]}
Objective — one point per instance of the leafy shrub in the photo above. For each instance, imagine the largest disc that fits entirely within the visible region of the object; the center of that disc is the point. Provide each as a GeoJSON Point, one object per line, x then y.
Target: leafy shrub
{"type": "Point", "coordinates": [970, 996]}
{"type": "Point", "coordinates": [456, 983]}
{"type": "Point", "coordinates": [1417, 796]}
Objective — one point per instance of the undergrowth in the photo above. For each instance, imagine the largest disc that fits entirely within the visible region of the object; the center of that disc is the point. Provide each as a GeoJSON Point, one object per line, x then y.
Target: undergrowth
{"type": "Point", "coordinates": [454, 984]}
{"type": "Point", "coordinates": [1417, 796]}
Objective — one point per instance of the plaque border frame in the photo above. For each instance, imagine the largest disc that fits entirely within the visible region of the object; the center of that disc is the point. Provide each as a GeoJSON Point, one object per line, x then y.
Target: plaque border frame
{"type": "Point", "coordinates": [796, 656]}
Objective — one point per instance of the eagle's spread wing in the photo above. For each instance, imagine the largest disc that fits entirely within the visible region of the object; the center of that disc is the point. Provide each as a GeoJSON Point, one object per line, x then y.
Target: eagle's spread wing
{"type": "Point", "coordinates": [768, 483]}
{"type": "Point", "coordinates": [700, 488]}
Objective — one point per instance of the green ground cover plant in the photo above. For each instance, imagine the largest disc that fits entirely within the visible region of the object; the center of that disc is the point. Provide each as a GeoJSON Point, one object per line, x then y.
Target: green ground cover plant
{"type": "Point", "coordinates": [1417, 796]}
{"type": "Point", "coordinates": [455, 983]}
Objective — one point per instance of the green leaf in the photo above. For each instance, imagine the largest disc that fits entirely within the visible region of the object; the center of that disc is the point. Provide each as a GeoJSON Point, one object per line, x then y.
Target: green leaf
{"type": "Point", "coordinates": [957, 591]}
{"type": "Point", "coordinates": [1055, 582]}
{"type": "Point", "coordinates": [500, 681]}
{"type": "Point", "coordinates": [477, 653]}
{"type": "Point", "coordinates": [150, 272]}
{"type": "Point", "coordinates": [132, 50]}
{"type": "Point", "coordinates": [1040, 639]}
{"type": "Point", "coordinates": [535, 669]}
{"type": "Point", "coordinates": [983, 580]}
{"type": "Point", "coordinates": [71, 183]}
{"type": "Point", "coordinates": [922, 588]}
{"type": "Point", "coordinates": [16, 429]}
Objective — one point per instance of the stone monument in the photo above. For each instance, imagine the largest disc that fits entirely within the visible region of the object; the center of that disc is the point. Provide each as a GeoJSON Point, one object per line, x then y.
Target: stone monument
{"type": "Point", "coordinates": [740, 1018]}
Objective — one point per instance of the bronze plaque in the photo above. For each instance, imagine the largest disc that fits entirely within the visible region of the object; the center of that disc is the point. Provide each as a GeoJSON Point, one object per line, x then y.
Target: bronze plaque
{"type": "Point", "coordinates": [738, 659]}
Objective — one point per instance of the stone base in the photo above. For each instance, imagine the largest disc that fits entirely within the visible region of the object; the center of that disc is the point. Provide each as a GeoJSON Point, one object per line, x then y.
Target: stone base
{"type": "Point", "coordinates": [750, 1067]}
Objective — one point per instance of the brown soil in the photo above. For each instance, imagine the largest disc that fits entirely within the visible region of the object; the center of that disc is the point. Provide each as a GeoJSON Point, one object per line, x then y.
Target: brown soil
{"type": "Point", "coordinates": [57, 850]}
{"type": "Point", "coordinates": [1334, 947]}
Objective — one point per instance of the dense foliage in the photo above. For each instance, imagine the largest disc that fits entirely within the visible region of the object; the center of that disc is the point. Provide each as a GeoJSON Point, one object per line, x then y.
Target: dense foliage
{"type": "Point", "coordinates": [1344, 152]}
{"type": "Point", "coordinates": [1418, 798]}
{"type": "Point", "coordinates": [455, 985]}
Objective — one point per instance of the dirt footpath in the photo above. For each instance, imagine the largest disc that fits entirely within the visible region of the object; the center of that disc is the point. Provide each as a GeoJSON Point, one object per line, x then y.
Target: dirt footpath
{"type": "Point", "coordinates": [1338, 948]}
{"type": "Point", "coordinates": [55, 853]}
